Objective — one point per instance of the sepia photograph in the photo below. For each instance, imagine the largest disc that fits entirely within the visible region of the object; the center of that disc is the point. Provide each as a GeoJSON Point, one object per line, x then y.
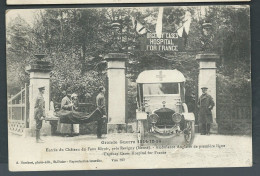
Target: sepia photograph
{"type": "Point", "coordinates": [129, 87]}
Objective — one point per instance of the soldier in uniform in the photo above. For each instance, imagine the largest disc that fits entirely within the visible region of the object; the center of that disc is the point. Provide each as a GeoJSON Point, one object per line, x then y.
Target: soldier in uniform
{"type": "Point", "coordinates": [205, 105]}
{"type": "Point", "coordinates": [101, 105]}
{"type": "Point", "coordinates": [39, 113]}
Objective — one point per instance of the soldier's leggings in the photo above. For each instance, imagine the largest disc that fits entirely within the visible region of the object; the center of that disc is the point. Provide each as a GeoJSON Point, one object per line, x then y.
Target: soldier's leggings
{"type": "Point", "coordinates": [38, 124]}
{"type": "Point", "coordinates": [204, 127]}
{"type": "Point", "coordinates": [207, 127]}
{"type": "Point", "coordinates": [100, 124]}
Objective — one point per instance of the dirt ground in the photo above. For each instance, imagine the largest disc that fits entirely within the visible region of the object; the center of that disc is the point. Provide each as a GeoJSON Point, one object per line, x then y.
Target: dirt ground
{"type": "Point", "coordinates": [121, 151]}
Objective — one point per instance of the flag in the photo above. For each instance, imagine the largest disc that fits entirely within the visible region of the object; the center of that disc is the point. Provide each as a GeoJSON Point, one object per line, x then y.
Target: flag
{"type": "Point", "coordinates": [141, 30]}
{"type": "Point", "coordinates": [184, 30]}
{"type": "Point", "coordinates": [159, 23]}
{"type": "Point", "coordinates": [185, 37]}
{"type": "Point", "coordinates": [186, 25]}
{"type": "Point", "coordinates": [138, 27]}
{"type": "Point", "coordinates": [180, 31]}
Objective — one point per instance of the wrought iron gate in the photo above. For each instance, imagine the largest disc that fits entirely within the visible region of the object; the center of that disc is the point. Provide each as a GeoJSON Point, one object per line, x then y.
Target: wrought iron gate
{"type": "Point", "coordinates": [234, 115]}
{"type": "Point", "coordinates": [18, 111]}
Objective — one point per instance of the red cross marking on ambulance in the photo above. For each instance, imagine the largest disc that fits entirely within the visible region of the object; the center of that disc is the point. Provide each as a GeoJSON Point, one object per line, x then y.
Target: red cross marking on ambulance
{"type": "Point", "coordinates": [160, 76]}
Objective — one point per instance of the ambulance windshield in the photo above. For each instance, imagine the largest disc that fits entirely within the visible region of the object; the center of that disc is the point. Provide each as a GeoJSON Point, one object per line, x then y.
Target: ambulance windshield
{"type": "Point", "coordinates": [161, 88]}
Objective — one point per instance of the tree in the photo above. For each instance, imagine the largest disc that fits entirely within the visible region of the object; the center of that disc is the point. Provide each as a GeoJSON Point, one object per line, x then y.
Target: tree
{"type": "Point", "coordinates": [18, 50]}
{"type": "Point", "coordinates": [76, 40]}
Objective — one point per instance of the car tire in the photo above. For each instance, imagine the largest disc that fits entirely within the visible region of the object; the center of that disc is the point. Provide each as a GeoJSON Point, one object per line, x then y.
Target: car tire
{"type": "Point", "coordinates": [190, 132]}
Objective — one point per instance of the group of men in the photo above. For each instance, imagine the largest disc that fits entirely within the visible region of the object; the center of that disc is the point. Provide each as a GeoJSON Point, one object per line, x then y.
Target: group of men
{"type": "Point", "coordinates": [69, 102]}
{"type": "Point", "coordinates": [205, 105]}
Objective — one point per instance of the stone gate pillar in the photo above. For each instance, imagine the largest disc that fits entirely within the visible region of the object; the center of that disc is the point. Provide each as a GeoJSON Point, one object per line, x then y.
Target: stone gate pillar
{"type": "Point", "coordinates": [39, 76]}
{"type": "Point", "coordinates": [116, 92]}
{"type": "Point", "coordinates": [207, 76]}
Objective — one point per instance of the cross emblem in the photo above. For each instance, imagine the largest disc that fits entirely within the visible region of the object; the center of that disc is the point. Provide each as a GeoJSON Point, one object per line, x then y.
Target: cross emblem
{"type": "Point", "coordinates": [160, 76]}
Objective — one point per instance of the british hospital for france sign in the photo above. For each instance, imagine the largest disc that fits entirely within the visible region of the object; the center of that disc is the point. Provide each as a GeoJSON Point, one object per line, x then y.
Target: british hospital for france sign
{"type": "Point", "coordinates": [167, 42]}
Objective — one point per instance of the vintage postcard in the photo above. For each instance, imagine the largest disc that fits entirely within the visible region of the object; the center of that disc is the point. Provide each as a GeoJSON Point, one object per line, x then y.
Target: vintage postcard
{"type": "Point", "coordinates": [129, 88]}
{"type": "Point", "coordinates": [17, 2]}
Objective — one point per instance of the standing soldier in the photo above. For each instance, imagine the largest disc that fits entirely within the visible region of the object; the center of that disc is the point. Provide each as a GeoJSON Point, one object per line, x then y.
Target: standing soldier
{"type": "Point", "coordinates": [205, 105]}
{"type": "Point", "coordinates": [101, 105]}
{"type": "Point", "coordinates": [39, 113]}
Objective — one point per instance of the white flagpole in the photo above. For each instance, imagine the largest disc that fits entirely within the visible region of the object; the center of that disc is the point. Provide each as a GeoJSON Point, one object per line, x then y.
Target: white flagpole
{"type": "Point", "coordinates": [159, 23]}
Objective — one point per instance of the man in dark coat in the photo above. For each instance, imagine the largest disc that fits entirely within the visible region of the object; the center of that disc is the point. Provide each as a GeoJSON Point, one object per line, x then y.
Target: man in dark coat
{"type": "Point", "coordinates": [39, 113]}
{"type": "Point", "coordinates": [205, 105]}
{"type": "Point", "coordinates": [101, 105]}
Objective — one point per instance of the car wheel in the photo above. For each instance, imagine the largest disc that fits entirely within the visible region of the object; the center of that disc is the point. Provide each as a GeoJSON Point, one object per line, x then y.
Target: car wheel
{"type": "Point", "coordinates": [189, 132]}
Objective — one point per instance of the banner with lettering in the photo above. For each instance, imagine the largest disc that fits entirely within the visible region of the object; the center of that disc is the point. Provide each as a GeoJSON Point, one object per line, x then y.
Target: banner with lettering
{"type": "Point", "coordinates": [171, 42]}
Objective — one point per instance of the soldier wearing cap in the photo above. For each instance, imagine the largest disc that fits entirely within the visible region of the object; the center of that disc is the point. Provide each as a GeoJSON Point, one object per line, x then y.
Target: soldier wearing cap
{"type": "Point", "coordinates": [101, 105]}
{"type": "Point", "coordinates": [39, 113]}
{"type": "Point", "coordinates": [205, 105]}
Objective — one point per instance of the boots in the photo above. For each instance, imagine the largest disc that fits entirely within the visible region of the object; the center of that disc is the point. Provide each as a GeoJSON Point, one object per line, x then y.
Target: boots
{"type": "Point", "coordinates": [207, 128]}
{"type": "Point", "coordinates": [38, 139]}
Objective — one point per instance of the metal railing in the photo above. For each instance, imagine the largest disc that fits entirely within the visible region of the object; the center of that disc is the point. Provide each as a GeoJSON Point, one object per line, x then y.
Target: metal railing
{"type": "Point", "coordinates": [234, 117]}
{"type": "Point", "coordinates": [18, 111]}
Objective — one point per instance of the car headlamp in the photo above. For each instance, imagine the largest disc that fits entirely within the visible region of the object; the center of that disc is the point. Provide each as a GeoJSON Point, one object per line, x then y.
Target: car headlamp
{"type": "Point", "coordinates": [153, 118]}
{"type": "Point", "coordinates": [176, 117]}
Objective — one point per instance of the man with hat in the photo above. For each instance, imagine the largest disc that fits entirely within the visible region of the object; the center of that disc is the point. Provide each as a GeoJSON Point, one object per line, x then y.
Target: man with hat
{"type": "Point", "coordinates": [101, 105]}
{"type": "Point", "coordinates": [205, 105]}
{"type": "Point", "coordinates": [39, 113]}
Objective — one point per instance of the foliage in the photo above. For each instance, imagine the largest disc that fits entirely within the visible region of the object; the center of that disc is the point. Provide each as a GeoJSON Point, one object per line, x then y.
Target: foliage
{"type": "Point", "coordinates": [76, 40]}
{"type": "Point", "coordinates": [18, 50]}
